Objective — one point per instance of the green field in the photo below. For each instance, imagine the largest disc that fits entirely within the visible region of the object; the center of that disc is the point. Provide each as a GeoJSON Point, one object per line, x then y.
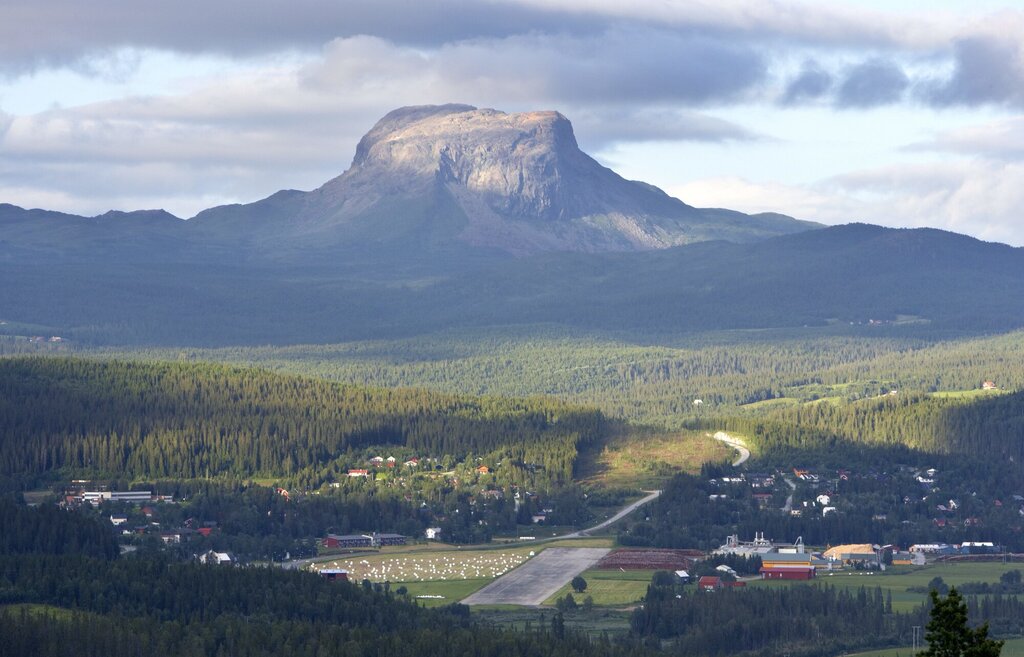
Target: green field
{"type": "Point", "coordinates": [1012, 648]}
{"type": "Point", "coordinates": [897, 581]}
{"type": "Point", "coordinates": [645, 459]}
{"type": "Point", "coordinates": [450, 590]}
{"type": "Point", "coordinates": [609, 588]}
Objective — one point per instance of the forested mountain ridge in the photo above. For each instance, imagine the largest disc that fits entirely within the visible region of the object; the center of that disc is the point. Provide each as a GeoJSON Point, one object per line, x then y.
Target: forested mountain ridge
{"type": "Point", "coordinates": [130, 420]}
{"type": "Point", "coordinates": [990, 427]}
{"type": "Point", "coordinates": [844, 274]}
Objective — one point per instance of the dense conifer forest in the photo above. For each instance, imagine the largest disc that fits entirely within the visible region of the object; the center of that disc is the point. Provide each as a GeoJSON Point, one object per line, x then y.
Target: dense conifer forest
{"type": "Point", "coordinates": [128, 420]}
{"type": "Point", "coordinates": [655, 379]}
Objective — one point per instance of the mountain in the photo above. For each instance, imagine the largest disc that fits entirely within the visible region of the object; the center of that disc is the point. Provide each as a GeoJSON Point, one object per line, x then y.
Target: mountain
{"type": "Point", "coordinates": [436, 185]}
{"type": "Point", "coordinates": [452, 216]}
{"type": "Point", "coordinates": [930, 280]}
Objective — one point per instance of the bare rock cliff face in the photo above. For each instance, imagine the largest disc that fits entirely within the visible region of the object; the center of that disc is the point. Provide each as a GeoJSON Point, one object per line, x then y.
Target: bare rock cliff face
{"type": "Point", "coordinates": [520, 179]}
{"type": "Point", "coordinates": [516, 183]}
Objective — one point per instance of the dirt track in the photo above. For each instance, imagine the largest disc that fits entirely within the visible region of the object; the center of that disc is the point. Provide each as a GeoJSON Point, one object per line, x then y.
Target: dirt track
{"type": "Point", "coordinates": [539, 578]}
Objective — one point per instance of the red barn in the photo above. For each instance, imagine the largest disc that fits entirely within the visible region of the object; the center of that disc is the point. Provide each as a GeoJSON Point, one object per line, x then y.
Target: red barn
{"type": "Point", "coordinates": [709, 583]}
{"type": "Point", "coordinates": [787, 572]}
{"type": "Point", "coordinates": [334, 574]}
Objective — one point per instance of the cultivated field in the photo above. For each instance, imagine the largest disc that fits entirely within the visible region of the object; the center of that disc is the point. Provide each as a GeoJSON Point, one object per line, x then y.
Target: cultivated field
{"type": "Point", "coordinates": [416, 567]}
{"type": "Point", "coordinates": [648, 559]}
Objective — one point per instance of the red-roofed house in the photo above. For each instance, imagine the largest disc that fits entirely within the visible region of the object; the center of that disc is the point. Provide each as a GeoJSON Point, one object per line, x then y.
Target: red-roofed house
{"type": "Point", "coordinates": [709, 583]}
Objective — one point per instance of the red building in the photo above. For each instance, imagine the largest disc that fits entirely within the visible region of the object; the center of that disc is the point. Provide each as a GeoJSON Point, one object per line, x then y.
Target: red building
{"type": "Point", "coordinates": [709, 583]}
{"type": "Point", "coordinates": [334, 574]}
{"type": "Point", "coordinates": [787, 572]}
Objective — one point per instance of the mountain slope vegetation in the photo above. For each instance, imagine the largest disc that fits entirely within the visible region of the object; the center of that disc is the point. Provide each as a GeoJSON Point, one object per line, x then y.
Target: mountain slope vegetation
{"type": "Point", "coordinates": [131, 420]}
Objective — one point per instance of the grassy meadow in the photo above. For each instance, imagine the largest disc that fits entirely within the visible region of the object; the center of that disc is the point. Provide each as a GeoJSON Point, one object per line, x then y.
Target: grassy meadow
{"type": "Point", "coordinates": [896, 581]}
{"type": "Point", "coordinates": [609, 588]}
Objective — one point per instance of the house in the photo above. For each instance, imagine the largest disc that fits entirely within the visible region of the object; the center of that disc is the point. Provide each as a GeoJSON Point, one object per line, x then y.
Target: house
{"type": "Point", "coordinates": [97, 497]}
{"type": "Point", "coordinates": [709, 583]}
{"type": "Point", "coordinates": [684, 577]}
{"type": "Point", "coordinates": [390, 461]}
{"type": "Point", "coordinates": [334, 574]}
{"type": "Point", "coordinates": [483, 469]}
{"type": "Point", "coordinates": [358, 472]}
{"type": "Point", "coordinates": [347, 541]}
{"type": "Point", "coordinates": [433, 533]}
{"type": "Point", "coordinates": [377, 460]}
{"type": "Point", "coordinates": [217, 558]}
{"type": "Point", "coordinates": [412, 463]}
{"type": "Point", "coordinates": [493, 494]}
{"type": "Point", "coordinates": [933, 548]}
{"type": "Point", "coordinates": [381, 540]}
{"type": "Point", "coordinates": [362, 540]}
{"type": "Point", "coordinates": [118, 520]}
{"type": "Point", "coordinates": [989, 385]}
{"type": "Point", "coordinates": [538, 518]}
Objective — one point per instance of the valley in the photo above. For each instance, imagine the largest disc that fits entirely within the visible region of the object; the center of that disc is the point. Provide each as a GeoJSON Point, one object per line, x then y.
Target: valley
{"type": "Point", "coordinates": [479, 394]}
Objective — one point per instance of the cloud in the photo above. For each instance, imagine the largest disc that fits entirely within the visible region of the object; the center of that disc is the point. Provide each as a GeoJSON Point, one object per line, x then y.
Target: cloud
{"type": "Point", "coordinates": [1001, 140]}
{"type": "Point", "coordinates": [872, 83]}
{"type": "Point", "coordinates": [812, 82]}
{"type": "Point", "coordinates": [62, 32]}
{"type": "Point", "coordinates": [598, 128]}
{"type": "Point", "coordinates": [979, 198]}
{"type": "Point", "coordinates": [986, 71]}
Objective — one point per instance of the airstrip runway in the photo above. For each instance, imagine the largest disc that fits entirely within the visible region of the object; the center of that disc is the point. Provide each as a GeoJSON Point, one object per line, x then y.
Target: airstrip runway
{"type": "Point", "coordinates": [537, 579]}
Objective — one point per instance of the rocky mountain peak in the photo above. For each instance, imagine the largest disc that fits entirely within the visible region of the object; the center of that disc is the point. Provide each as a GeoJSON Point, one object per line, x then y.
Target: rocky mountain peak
{"type": "Point", "coordinates": [455, 176]}
{"type": "Point", "coordinates": [517, 163]}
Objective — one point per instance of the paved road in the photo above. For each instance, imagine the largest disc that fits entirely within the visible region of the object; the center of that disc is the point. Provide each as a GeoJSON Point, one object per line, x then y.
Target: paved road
{"type": "Point", "coordinates": [736, 444]}
{"type": "Point", "coordinates": [789, 500]}
{"type": "Point", "coordinates": [537, 579]}
{"type": "Point", "coordinates": [626, 510]}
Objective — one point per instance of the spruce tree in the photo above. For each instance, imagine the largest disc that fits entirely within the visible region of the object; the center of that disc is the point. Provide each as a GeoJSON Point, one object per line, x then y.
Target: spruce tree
{"type": "Point", "coordinates": [948, 634]}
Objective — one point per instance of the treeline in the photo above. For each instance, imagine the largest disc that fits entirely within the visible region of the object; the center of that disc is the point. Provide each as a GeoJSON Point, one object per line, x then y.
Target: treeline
{"type": "Point", "coordinates": [804, 620]}
{"type": "Point", "coordinates": [49, 530]}
{"type": "Point", "coordinates": [166, 420]}
{"type": "Point", "coordinates": [807, 621]}
{"type": "Point", "coordinates": [990, 426]}
{"type": "Point", "coordinates": [136, 607]}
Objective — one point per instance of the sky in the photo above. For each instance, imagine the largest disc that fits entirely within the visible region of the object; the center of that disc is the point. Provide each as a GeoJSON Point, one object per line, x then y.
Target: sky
{"type": "Point", "coordinates": [903, 114]}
